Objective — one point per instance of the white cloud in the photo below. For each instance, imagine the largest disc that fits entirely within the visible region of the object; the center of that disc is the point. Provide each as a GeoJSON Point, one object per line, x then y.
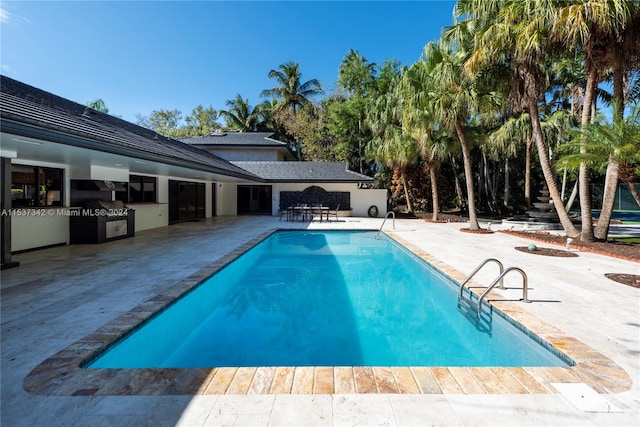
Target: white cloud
{"type": "Point", "coordinates": [5, 16]}
{"type": "Point", "coordinates": [7, 69]}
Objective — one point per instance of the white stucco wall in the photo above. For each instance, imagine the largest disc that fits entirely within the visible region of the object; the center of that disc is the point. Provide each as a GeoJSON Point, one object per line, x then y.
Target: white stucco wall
{"type": "Point", "coordinates": [109, 174]}
{"type": "Point", "coordinates": [363, 199]}
{"type": "Point", "coordinates": [150, 215]}
{"type": "Point", "coordinates": [227, 199]}
{"type": "Point", "coordinates": [35, 231]}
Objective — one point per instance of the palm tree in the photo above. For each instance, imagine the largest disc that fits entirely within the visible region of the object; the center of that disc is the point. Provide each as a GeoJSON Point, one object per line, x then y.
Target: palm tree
{"type": "Point", "coordinates": [418, 121]}
{"type": "Point", "coordinates": [265, 110]}
{"type": "Point", "coordinates": [626, 50]}
{"type": "Point", "coordinates": [356, 74]}
{"type": "Point", "coordinates": [594, 25]}
{"type": "Point", "coordinates": [567, 83]}
{"type": "Point", "coordinates": [357, 78]}
{"type": "Point", "coordinates": [390, 145]}
{"type": "Point", "coordinates": [505, 140]}
{"type": "Point", "coordinates": [241, 115]}
{"type": "Point", "coordinates": [515, 32]}
{"type": "Point", "coordinates": [600, 144]}
{"type": "Point", "coordinates": [453, 97]}
{"type": "Point", "coordinates": [291, 92]}
{"type": "Point", "coordinates": [398, 151]}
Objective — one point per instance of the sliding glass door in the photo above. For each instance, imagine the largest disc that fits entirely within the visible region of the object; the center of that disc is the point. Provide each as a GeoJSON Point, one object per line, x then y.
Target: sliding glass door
{"type": "Point", "coordinates": [186, 201]}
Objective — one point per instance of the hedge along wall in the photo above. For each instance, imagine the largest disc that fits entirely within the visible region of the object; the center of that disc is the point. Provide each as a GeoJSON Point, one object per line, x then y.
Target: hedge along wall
{"type": "Point", "coordinates": [316, 195]}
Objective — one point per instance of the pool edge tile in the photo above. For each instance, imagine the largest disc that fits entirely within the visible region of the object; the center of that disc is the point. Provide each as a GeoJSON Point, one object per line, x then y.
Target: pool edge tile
{"type": "Point", "coordinates": [61, 374]}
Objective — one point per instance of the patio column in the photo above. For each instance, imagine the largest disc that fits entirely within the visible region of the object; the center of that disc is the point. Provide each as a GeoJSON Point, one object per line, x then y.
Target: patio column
{"type": "Point", "coordinates": [5, 218]}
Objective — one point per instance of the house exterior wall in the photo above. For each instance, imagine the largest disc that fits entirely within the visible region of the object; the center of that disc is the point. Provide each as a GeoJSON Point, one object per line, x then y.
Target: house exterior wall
{"type": "Point", "coordinates": [154, 215]}
{"type": "Point", "coordinates": [33, 231]}
{"type": "Point", "coordinates": [243, 154]}
{"type": "Point", "coordinates": [50, 226]}
{"type": "Point", "coordinates": [227, 199]}
{"type": "Point", "coordinates": [150, 215]}
{"type": "Point", "coordinates": [38, 227]}
{"type": "Point", "coordinates": [361, 199]}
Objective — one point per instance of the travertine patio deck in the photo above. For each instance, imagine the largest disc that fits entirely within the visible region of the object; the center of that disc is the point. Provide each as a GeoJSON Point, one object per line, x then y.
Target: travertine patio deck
{"type": "Point", "coordinates": [57, 309]}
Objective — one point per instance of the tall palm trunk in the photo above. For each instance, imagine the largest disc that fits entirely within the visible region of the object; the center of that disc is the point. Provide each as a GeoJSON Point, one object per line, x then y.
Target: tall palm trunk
{"type": "Point", "coordinates": [608, 200]}
{"type": "Point", "coordinates": [456, 181]}
{"type": "Point", "coordinates": [611, 177]}
{"type": "Point", "coordinates": [505, 202]}
{"type": "Point", "coordinates": [406, 190]}
{"type": "Point", "coordinates": [563, 191]}
{"type": "Point", "coordinates": [527, 174]}
{"type": "Point", "coordinates": [468, 176]}
{"type": "Point", "coordinates": [568, 226]}
{"type": "Point", "coordinates": [572, 197]}
{"type": "Point", "coordinates": [583, 174]}
{"type": "Point", "coordinates": [486, 181]}
{"type": "Point", "coordinates": [433, 176]}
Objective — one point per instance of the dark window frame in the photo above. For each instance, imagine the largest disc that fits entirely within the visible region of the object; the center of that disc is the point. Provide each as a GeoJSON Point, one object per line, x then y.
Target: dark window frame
{"type": "Point", "coordinates": [144, 197]}
{"type": "Point", "coordinates": [42, 188]}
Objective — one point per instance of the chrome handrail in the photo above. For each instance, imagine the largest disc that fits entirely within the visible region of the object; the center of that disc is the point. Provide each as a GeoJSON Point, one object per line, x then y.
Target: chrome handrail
{"type": "Point", "coordinates": [393, 215]}
{"type": "Point", "coordinates": [525, 285]}
{"type": "Point", "coordinates": [482, 264]}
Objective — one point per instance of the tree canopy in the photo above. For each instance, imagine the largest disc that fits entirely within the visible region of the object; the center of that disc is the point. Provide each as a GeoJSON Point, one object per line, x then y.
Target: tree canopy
{"type": "Point", "coordinates": [510, 95]}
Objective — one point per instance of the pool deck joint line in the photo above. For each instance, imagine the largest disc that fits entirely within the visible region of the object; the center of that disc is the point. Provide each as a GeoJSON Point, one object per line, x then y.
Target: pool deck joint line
{"type": "Point", "coordinates": [63, 375]}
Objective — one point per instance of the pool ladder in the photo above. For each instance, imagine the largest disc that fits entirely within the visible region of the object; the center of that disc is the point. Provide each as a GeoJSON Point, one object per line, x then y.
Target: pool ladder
{"type": "Point", "coordinates": [393, 215]}
{"type": "Point", "coordinates": [498, 280]}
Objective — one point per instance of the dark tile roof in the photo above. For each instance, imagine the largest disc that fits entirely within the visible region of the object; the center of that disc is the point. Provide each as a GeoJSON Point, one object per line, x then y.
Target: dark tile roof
{"type": "Point", "coordinates": [240, 139]}
{"type": "Point", "coordinates": [303, 171]}
{"type": "Point", "coordinates": [68, 122]}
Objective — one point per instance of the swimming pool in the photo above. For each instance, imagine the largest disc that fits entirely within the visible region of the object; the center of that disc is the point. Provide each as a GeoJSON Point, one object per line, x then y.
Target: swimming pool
{"type": "Point", "coordinates": [302, 298]}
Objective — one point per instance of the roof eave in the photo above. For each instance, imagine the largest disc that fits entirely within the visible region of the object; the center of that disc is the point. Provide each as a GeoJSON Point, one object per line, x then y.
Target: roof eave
{"type": "Point", "coordinates": [310, 181]}
{"type": "Point", "coordinates": [31, 131]}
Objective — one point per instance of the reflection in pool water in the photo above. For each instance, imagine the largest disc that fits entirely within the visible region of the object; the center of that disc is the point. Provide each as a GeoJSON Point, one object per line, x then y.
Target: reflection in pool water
{"type": "Point", "coordinates": [302, 298]}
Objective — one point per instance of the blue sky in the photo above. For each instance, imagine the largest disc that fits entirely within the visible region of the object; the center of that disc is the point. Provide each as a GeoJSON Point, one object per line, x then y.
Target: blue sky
{"type": "Point", "coordinates": [144, 55]}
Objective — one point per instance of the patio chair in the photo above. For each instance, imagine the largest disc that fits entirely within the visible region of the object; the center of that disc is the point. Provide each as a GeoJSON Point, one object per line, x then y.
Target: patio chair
{"type": "Point", "coordinates": [299, 211]}
{"type": "Point", "coordinates": [333, 213]}
{"type": "Point", "coordinates": [316, 209]}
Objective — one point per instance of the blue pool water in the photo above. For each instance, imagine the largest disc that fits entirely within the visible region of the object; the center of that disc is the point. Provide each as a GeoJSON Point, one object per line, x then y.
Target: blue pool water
{"type": "Point", "coordinates": [302, 298]}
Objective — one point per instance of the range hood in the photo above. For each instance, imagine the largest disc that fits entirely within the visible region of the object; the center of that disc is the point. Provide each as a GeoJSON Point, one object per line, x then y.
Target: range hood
{"type": "Point", "coordinates": [98, 185]}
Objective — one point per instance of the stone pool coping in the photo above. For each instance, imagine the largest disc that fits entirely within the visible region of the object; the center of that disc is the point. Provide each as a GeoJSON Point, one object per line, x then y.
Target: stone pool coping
{"type": "Point", "coordinates": [62, 374]}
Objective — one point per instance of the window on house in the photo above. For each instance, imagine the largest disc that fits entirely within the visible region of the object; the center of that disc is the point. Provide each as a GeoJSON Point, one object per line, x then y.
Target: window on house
{"type": "Point", "coordinates": [140, 189]}
{"type": "Point", "coordinates": [36, 186]}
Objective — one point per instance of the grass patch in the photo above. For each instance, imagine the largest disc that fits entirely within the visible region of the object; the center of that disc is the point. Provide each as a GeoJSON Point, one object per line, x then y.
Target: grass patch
{"type": "Point", "coordinates": [626, 239]}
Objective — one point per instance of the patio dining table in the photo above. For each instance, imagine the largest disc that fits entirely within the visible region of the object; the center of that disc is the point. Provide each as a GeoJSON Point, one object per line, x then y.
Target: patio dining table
{"type": "Point", "coordinates": [305, 212]}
